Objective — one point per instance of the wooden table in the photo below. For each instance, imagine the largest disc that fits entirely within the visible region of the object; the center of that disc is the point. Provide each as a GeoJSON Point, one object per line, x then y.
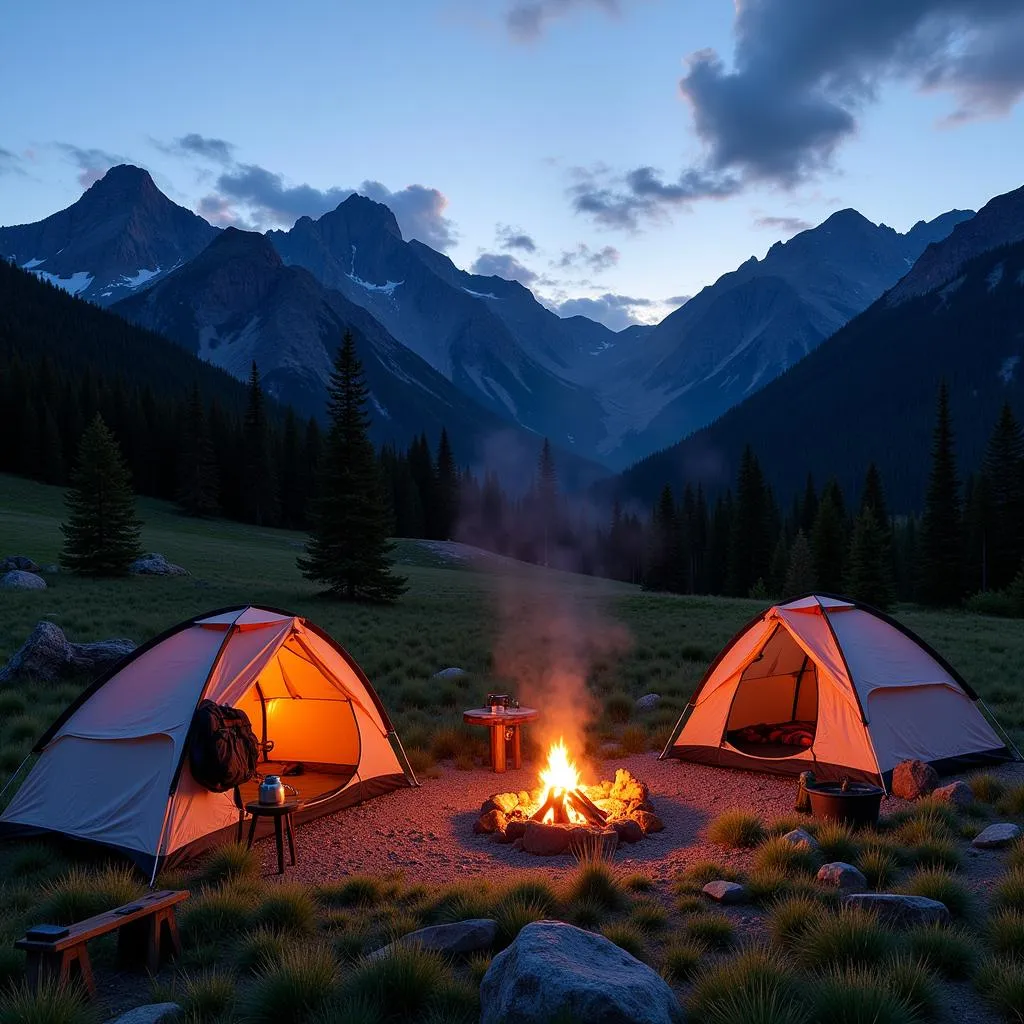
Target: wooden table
{"type": "Point", "coordinates": [282, 815]}
{"type": "Point", "coordinates": [504, 725]}
{"type": "Point", "coordinates": [147, 931]}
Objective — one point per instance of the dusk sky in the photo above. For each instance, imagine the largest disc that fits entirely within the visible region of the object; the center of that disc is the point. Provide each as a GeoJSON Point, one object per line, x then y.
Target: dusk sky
{"type": "Point", "coordinates": [614, 155]}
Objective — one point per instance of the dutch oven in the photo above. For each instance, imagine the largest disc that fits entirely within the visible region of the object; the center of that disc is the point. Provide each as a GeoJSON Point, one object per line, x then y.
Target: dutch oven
{"type": "Point", "coordinates": [853, 803]}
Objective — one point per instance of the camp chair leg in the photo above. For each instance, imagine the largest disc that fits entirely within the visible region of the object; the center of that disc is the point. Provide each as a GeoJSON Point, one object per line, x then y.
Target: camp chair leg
{"type": "Point", "coordinates": [279, 840]}
{"type": "Point", "coordinates": [291, 837]}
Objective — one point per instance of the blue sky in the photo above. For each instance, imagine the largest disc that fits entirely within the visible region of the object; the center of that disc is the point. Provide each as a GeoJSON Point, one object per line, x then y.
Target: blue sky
{"type": "Point", "coordinates": [613, 154]}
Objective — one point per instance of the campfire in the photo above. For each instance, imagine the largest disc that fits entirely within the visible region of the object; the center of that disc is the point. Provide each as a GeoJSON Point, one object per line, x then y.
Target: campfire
{"type": "Point", "coordinates": [564, 815]}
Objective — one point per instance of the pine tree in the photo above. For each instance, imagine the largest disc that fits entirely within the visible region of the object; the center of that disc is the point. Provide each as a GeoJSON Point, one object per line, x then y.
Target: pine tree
{"type": "Point", "coordinates": [873, 497]}
{"type": "Point", "coordinates": [779, 566]}
{"type": "Point", "coordinates": [869, 566]}
{"type": "Point", "coordinates": [547, 501]}
{"type": "Point", "coordinates": [751, 548]}
{"type": "Point", "coordinates": [828, 542]}
{"type": "Point", "coordinates": [664, 568]}
{"type": "Point", "coordinates": [800, 578]}
{"type": "Point", "coordinates": [1003, 471]}
{"type": "Point", "coordinates": [447, 502]}
{"type": "Point", "coordinates": [941, 542]}
{"type": "Point", "coordinates": [808, 507]}
{"type": "Point", "coordinates": [197, 471]}
{"type": "Point", "coordinates": [101, 535]}
{"type": "Point", "coordinates": [348, 548]}
{"type": "Point", "coordinates": [259, 481]}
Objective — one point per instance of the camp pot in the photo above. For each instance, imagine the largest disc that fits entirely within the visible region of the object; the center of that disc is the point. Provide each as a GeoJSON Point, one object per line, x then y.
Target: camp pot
{"type": "Point", "coordinates": [272, 790]}
{"type": "Point", "coordinates": [852, 803]}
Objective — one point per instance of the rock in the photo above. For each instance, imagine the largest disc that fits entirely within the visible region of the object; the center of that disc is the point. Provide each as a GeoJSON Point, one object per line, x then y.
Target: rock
{"type": "Point", "coordinates": [648, 702]}
{"type": "Point", "coordinates": [995, 836]}
{"type": "Point", "coordinates": [492, 821]}
{"type": "Point", "coordinates": [626, 788]}
{"type": "Point", "coordinates": [798, 837]}
{"type": "Point", "coordinates": [50, 570]}
{"type": "Point", "coordinates": [585, 842]}
{"type": "Point", "coordinates": [21, 562]}
{"type": "Point", "coordinates": [842, 876]}
{"type": "Point", "coordinates": [611, 807]}
{"type": "Point", "coordinates": [450, 939]}
{"type": "Point", "coordinates": [956, 793]}
{"type": "Point", "coordinates": [154, 564]}
{"type": "Point", "coordinates": [506, 802]}
{"type": "Point", "coordinates": [18, 579]}
{"type": "Point", "coordinates": [727, 892]}
{"type": "Point", "coordinates": [515, 830]}
{"type": "Point", "coordinates": [629, 831]}
{"type": "Point", "coordinates": [555, 971]}
{"type": "Point", "coordinates": [151, 1013]}
{"type": "Point", "coordinates": [648, 821]}
{"type": "Point", "coordinates": [900, 911]}
{"type": "Point", "coordinates": [47, 654]}
{"type": "Point", "coordinates": [545, 840]}
{"type": "Point", "coordinates": [450, 673]}
{"type": "Point", "coordinates": [913, 779]}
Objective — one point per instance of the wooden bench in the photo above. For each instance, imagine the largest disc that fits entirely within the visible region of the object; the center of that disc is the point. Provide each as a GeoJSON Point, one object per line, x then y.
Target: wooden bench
{"type": "Point", "coordinates": [148, 932]}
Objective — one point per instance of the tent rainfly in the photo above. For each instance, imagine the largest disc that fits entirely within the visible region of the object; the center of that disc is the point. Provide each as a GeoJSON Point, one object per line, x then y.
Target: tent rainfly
{"type": "Point", "coordinates": [113, 769]}
{"type": "Point", "coordinates": [829, 685]}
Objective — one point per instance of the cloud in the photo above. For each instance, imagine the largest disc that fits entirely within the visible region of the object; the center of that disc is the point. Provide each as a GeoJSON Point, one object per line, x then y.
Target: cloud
{"type": "Point", "coordinates": [597, 260]}
{"type": "Point", "coordinates": [787, 225]}
{"type": "Point", "coordinates": [218, 150]}
{"type": "Point", "coordinates": [526, 20]}
{"type": "Point", "coordinates": [803, 72]}
{"type": "Point", "coordinates": [677, 300]}
{"type": "Point", "coordinates": [614, 311]}
{"type": "Point", "coordinates": [92, 163]}
{"type": "Point", "coordinates": [641, 194]}
{"type": "Point", "coordinates": [219, 211]}
{"type": "Point", "coordinates": [500, 264]}
{"type": "Point", "coordinates": [270, 202]}
{"type": "Point", "coordinates": [515, 238]}
{"type": "Point", "coordinates": [10, 163]}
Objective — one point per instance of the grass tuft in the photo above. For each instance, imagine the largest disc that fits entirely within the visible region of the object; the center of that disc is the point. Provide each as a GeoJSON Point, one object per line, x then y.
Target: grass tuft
{"type": "Point", "coordinates": [231, 862]}
{"type": "Point", "coordinates": [403, 985]}
{"type": "Point", "coordinates": [1012, 802]}
{"type": "Point", "coordinates": [837, 841]}
{"type": "Point", "coordinates": [258, 946]}
{"type": "Point", "coordinates": [915, 982]}
{"type": "Point", "coordinates": [791, 918]}
{"type": "Point", "coordinates": [649, 916]}
{"type": "Point", "coordinates": [752, 988]}
{"type": "Point", "coordinates": [1001, 982]}
{"type": "Point", "coordinates": [215, 913]}
{"type": "Point", "coordinates": [695, 876]}
{"type": "Point", "coordinates": [879, 865]}
{"type": "Point", "coordinates": [986, 787]}
{"type": "Point", "coordinates": [1009, 892]}
{"type": "Point", "coordinates": [938, 884]}
{"type": "Point", "coordinates": [782, 856]}
{"type": "Point", "coordinates": [951, 952]}
{"type": "Point", "coordinates": [855, 995]}
{"type": "Point", "coordinates": [680, 960]}
{"type": "Point", "coordinates": [627, 936]}
{"type": "Point", "coordinates": [52, 1003]}
{"type": "Point", "coordinates": [288, 908]}
{"type": "Point", "coordinates": [851, 937]}
{"type": "Point", "coordinates": [82, 893]}
{"type": "Point", "coordinates": [737, 830]}
{"type": "Point", "coordinates": [711, 928]}
{"type": "Point", "coordinates": [1005, 933]}
{"type": "Point", "coordinates": [291, 988]}
{"type": "Point", "coordinates": [206, 997]}
{"type": "Point", "coordinates": [515, 911]}
{"type": "Point", "coordinates": [595, 882]}
{"type": "Point", "coordinates": [357, 891]}
{"type": "Point", "coordinates": [638, 883]}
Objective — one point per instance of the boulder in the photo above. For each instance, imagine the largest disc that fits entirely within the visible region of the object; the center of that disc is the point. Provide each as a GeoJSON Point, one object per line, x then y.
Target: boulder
{"type": "Point", "coordinates": [546, 840]}
{"type": "Point", "coordinates": [798, 837]}
{"type": "Point", "coordinates": [626, 788]}
{"type": "Point", "coordinates": [648, 702]}
{"type": "Point", "coordinates": [151, 1013]}
{"type": "Point", "coordinates": [727, 892]}
{"type": "Point", "coordinates": [629, 831]}
{"type": "Point", "coordinates": [450, 673]}
{"type": "Point", "coordinates": [450, 939]}
{"type": "Point", "coordinates": [554, 971]}
{"type": "Point", "coordinates": [47, 654]}
{"type": "Point", "coordinates": [956, 793]}
{"type": "Point", "coordinates": [648, 821]}
{"type": "Point", "coordinates": [506, 802]}
{"type": "Point", "coordinates": [900, 911]}
{"type": "Point", "coordinates": [611, 807]}
{"type": "Point", "coordinates": [842, 876]}
{"type": "Point", "coordinates": [995, 836]}
{"type": "Point", "coordinates": [19, 579]}
{"type": "Point", "coordinates": [492, 821]}
{"type": "Point", "coordinates": [913, 779]}
{"type": "Point", "coordinates": [154, 564]}
{"type": "Point", "coordinates": [21, 562]}
{"type": "Point", "coordinates": [515, 830]}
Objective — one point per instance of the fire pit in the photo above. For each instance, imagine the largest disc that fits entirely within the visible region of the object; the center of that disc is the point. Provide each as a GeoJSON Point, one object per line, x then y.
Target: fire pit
{"type": "Point", "coordinates": [564, 815]}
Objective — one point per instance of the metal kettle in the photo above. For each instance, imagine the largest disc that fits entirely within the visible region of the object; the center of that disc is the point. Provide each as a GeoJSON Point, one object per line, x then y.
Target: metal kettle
{"type": "Point", "coordinates": [272, 790]}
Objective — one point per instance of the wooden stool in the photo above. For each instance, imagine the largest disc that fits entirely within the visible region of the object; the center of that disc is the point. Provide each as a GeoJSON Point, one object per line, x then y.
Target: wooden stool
{"type": "Point", "coordinates": [504, 725]}
{"type": "Point", "coordinates": [282, 815]}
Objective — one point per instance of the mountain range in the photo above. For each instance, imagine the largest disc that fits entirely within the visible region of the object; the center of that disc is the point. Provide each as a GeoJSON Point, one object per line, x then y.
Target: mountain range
{"type": "Point", "coordinates": [446, 347]}
{"type": "Point", "coordinates": [868, 393]}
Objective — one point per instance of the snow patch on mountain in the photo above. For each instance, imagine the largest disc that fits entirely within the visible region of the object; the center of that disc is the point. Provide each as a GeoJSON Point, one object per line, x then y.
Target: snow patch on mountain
{"type": "Point", "coordinates": [74, 284]}
{"type": "Point", "coordinates": [140, 277]}
{"type": "Point", "coordinates": [479, 295]}
{"type": "Point", "coordinates": [32, 263]}
{"type": "Point", "coordinates": [995, 275]}
{"type": "Point", "coordinates": [1008, 369]}
{"type": "Point", "coordinates": [388, 288]}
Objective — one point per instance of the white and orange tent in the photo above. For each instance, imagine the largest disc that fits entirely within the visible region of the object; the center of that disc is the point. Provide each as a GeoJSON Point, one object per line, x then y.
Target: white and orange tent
{"type": "Point", "coordinates": [828, 685]}
{"type": "Point", "coordinates": [113, 768]}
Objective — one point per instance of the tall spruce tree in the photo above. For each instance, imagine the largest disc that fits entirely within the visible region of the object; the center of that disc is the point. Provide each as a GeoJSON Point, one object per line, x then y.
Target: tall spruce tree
{"type": "Point", "coordinates": [750, 550]}
{"type": "Point", "coordinates": [800, 577]}
{"type": "Point", "coordinates": [869, 576]}
{"type": "Point", "coordinates": [348, 549]}
{"type": "Point", "coordinates": [664, 570]}
{"type": "Point", "coordinates": [446, 506]}
{"type": "Point", "coordinates": [197, 469]}
{"type": "Point", "coordinates": [828, 542]}
{"type": "Point", "coordinates": [941, 544]}
{"type": "Point", "coordinates": [1003, 471]}
{"type": "Point", "coordinates": [259, 481]}
{"type": "Point", "coordinates": [101, 534]}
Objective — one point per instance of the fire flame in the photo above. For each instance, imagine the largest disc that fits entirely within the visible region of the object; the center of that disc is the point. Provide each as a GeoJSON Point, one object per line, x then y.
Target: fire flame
{"type": "Point", "coordinates": [559, 775]}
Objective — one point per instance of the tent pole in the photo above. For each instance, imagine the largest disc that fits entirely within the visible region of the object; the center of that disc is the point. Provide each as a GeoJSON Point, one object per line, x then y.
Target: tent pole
{"type": "Point", "coordinates": [17, 772]}
{"type": "Point", "coordinates": [995, 721]}
{"type": "Point", "coordinates": [396, 741]}
{"type": "Point", "coordinates": [676, 731]}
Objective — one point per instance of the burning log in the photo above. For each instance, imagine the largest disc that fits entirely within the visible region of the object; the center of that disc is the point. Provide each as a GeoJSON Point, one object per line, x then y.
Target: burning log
{"type": "Point", "coordinates": [560, 802]}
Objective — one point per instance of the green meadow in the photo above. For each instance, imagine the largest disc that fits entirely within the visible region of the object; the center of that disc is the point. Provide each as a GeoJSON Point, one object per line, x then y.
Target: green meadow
{"type": "Point", "coordinates": [293, 952]}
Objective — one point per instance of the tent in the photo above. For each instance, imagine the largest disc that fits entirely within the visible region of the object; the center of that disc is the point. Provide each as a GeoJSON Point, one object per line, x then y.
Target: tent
{"type": "Point", "coordinates": [113, 768]}
{"type": "Point", "coordinates": [829, 685]}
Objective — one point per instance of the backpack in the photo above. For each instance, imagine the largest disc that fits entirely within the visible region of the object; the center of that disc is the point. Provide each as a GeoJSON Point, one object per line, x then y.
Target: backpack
{"type": "Point", "coordinates": [222, 748]}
